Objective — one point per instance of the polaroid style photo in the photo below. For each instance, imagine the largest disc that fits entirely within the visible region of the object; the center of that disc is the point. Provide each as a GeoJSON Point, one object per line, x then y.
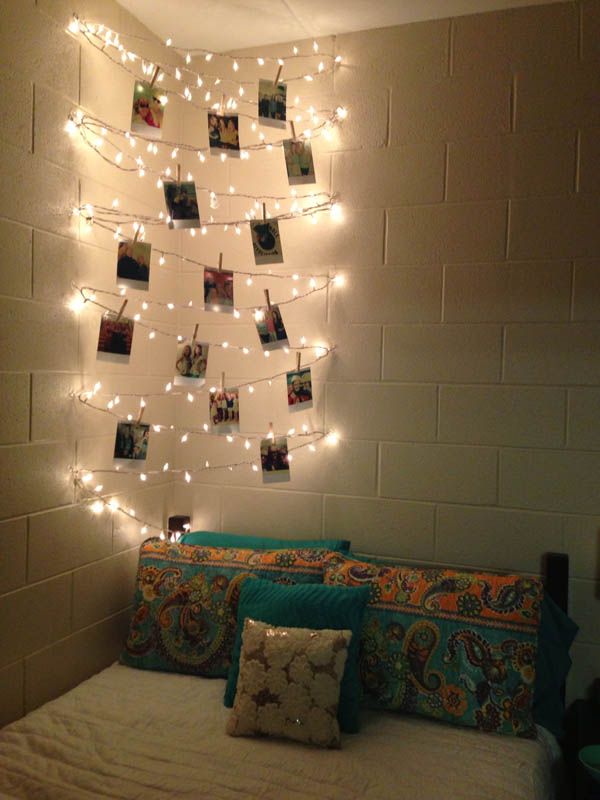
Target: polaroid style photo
{"type": "Point", "coordinates": [133, 264]}
{"type": "Point", "coordinates": [218, 290]}
{"type": "Point", "coordinates": [274, 460]}
{"type": "Point", "coordinates": [223, 134]}
{"type": "Point", "coordinates": [131, 444]}
{"type": "Point", "coordinates": [147, 110]}
{"type": "Point", "coordinates": [270, 327]}
{"type": "Point", "coordinates": [224, 410]}
{"type": "Point", "coordinates": [182, 204]}
{"type": "Point", "coordinates": [299, 161]}
{"type": "Point", "coordinates": [266, 242]}
{"type": "Point", "coordinates": [272, 98]}
{"type": "Point", "coordinates": [115, 338]}
{"type": "Point", "coordinates": [190, 363]}
{"type": "Point", "coordinates": [299, 390]}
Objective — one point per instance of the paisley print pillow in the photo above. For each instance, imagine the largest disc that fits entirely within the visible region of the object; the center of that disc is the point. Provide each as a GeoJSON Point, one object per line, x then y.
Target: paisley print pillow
{"type": "Point", "coordinates": [289, 683]}
{"type": "Point", "coordinates": [456, 646]}
{"type": "Point", "coordinates": [185, 602]}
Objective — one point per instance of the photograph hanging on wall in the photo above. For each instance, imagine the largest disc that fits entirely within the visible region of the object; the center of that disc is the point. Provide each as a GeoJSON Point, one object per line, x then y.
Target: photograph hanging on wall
{"type": "Point", "coordinates": [133, 264]}
{"type": "Point", "coordinates": [147, 111]}
{"type": "Point", "coordinates": [115, 338]}
{"type": "Point", "coordinates": [274, 460]}
{"type": "Point", "coordinates": [224, 410]}
{"type": "Point", "coordinates": [270, 327]}
{"type": "Point", "coordinates": [182, 204]}
{"type": "Point", "coordinates": [131, 443]}
{"type": "Point", "coordinates": [299, 389]}
{"type": "Point", "coordinates": [299, 161]}
{"type": "Point", "coordinates": [223, 134]}
{"type": "Point", "coordinates": [272, 98]}
{"type": "Point", "coordinates": [218, 290]}
{"type": "Point", "coordinates": [266, 242]}
{"type": "Point", "coordinates": [190, 364]}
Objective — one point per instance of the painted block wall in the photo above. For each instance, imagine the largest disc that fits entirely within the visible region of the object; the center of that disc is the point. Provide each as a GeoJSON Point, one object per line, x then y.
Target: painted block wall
{"type": "Point", "coordinates": [66, 576]}
{"type": "Point", "coordinates": [465, 388]}
{"type": "Point", "coordinates": [466, 385]}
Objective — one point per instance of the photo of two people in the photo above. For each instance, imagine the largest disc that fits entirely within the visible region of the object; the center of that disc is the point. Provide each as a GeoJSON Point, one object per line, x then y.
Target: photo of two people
{"type": "Point", "coordinates": [299, 390]}
{"type": "Point", "coordinates": [182, 204]}
{"type": "Point", "coordinates": [270, 327]}
{"type": "Point", "coordinates": [131, 441]}
{"type": "Point", "coordinates": [191, 362]}
{"type": "Point", "coordinates": [218, 290]}
{"type": "Point", "coordinates": [133, 264]}
{"type": "Point", "coordinates": [299, 161]}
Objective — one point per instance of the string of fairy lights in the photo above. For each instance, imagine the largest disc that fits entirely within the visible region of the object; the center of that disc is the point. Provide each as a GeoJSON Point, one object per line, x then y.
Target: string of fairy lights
{"type": "Point", "coordinates": [194, 76]}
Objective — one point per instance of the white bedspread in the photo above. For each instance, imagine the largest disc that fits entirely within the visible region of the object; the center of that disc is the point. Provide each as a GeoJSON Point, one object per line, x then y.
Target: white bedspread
{"type": "Point", "coordinates": [131, 734]}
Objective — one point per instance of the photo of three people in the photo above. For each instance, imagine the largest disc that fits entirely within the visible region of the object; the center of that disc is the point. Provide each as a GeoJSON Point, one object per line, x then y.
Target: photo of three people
{"type": "Point", "coordinates": [131, 442]}
{"type": "Point", "coordinates": [224, 410]}
{"type": "Point", "coordinates": [223, 133]}
{"type": "Point", "coordinates": [272, 101]}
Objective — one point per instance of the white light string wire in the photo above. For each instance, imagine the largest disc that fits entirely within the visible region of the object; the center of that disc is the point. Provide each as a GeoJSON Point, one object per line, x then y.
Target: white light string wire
{"type": "Point", "coordinates": [90, 293]}
{"type": "Point", "coordinates": [83, 476]}
{"type": "Point", "coordinates": [111, 219]}
{"type": "Point", "coordinates": [320, 350]}
{"type": "Point", "coordinates": [106, 40]}
{"type": "Point", "coordinates": [94, 134]}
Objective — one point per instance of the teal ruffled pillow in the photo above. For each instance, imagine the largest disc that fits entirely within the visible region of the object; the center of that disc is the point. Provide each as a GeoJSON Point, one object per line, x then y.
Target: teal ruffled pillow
{"type": "Point", "coordinates": [307, 606]}
{"type": "Point", "coordinates": [215, 539]}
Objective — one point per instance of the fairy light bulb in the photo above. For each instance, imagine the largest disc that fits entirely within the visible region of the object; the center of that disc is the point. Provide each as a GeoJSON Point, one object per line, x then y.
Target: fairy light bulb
{"type": "Point", "coordinates": [188, 477]}
{"type": "Point", "coordinates": [97, 507]}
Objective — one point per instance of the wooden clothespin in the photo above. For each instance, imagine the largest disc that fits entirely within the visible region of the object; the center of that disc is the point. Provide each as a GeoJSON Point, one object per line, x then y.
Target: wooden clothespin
{"type": "Point", "coordinates": [195, 333]}
{"type": "Point", "coordinates": [155, 76]}
{"type": "Point", "coordinates": [222, 381]}
{"type": "Point", "coordinates": [136, 234]}
{"type": "Point", "coordinates": [222, 103]}
{"type": "Point", "coordinates": [268, 299]}
{"type": "Point", "coordinates": [178, 172]}
{"type": "Point", "coordinates": [141, 414]}
{"type": "Point", "coordinates": [293, 129]}
{"type": "Point", "coordinates": [298, 360]}
{"type": "Point", "coordinates": [220, 261]}
{"type": "Point", "coordinates": [276, 81]}
{"type": "Point", "coordinates": [121, 310]}
{"type": "Point", "coordinates": [271, 434]}
{"type": "Point", "coordinates": [264, 212]}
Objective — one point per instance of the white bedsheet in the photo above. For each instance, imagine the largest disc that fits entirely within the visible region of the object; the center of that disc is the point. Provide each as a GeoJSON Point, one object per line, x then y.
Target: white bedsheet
{"type": "Point", "coordinates": [132, 734]}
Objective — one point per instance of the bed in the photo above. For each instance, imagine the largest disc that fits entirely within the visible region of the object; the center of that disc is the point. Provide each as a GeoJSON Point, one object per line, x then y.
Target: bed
{"type": "Point", "coordinates": [144, 733]}
{"type": "Point", "coordinates": [131, 734]}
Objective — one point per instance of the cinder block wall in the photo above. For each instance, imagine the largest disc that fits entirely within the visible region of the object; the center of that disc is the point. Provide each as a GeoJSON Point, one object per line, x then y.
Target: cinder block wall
{"type": "Point", "coordinates": [66, 576]}
{"type": "Point", "coordinates": [466, 385]}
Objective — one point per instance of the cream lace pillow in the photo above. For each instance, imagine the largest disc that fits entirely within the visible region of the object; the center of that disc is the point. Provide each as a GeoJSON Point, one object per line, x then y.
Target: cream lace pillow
{"type": "Point", "coordinates": [289, 683]}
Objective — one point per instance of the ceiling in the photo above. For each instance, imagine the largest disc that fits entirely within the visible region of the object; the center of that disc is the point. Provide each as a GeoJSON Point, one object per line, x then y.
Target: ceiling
{"type": "Point", "coordinates": [223, 25]}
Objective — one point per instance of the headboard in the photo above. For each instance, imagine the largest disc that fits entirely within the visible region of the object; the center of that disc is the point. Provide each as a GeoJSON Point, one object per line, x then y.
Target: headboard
{"type": "Point", "coordinates": [555, 574]}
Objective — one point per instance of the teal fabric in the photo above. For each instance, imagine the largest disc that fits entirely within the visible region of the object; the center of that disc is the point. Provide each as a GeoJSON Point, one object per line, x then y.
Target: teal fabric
{"type": "Point", "coordinates": [185, 602]}
{"type": "Point", "coordinates": [556, 634]}
{"type": "Point", "coordinates": [214, 539]}
{"type": "Point", "coordinates": [303, 606]}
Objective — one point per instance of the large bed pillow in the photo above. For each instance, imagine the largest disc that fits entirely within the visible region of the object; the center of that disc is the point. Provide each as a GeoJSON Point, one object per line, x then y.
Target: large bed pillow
{"type": "Point", "coordinates": [215, 539]}
{"type": "Point", "coordinates": [456, 646]}
{"type": "Point", "coordinates": [185, 602]}
{"type": "Point", "coordinates": [303, 606]}
{"type": "Point", "coordinates": [289, 683]}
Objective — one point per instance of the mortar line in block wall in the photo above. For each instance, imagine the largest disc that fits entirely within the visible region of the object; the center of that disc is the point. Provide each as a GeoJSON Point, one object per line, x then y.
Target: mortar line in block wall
{"type": "Point", "coordinates": [446, 170]}
{"type": "Point", "coordinates": [386, 227]}
{"type": "Point", "coordinates": [572, 293]}
{"type": "Point", "coordinates": [513, 104]}
{"type": "Point", "coordinates": [388, 133]}
{"type": "Point", "coordinates": [566, 419]}
{"type": "Point", "coordinates": [577, 171]}
{"type": "Point", "coordinates": [507, 233]}
{"type": "Point", "coordinates": [497, 476]}
{"type": "Point", "coordinates": [32, 130]}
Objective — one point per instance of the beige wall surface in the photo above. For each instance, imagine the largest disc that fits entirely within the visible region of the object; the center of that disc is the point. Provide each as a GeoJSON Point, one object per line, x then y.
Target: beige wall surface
{"type": "Point", "coordinates": [466, 384]}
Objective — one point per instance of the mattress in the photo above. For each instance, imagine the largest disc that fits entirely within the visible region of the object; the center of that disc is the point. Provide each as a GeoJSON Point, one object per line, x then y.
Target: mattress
{"type": "Point", "coordinates": [127, 733]}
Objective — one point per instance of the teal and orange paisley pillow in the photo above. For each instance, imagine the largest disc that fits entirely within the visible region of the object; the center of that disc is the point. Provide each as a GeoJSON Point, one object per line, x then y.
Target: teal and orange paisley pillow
{"type": "Point", "coordinates": [455, 646]}
{"type": "Point", "coordinates": [185, 603]}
